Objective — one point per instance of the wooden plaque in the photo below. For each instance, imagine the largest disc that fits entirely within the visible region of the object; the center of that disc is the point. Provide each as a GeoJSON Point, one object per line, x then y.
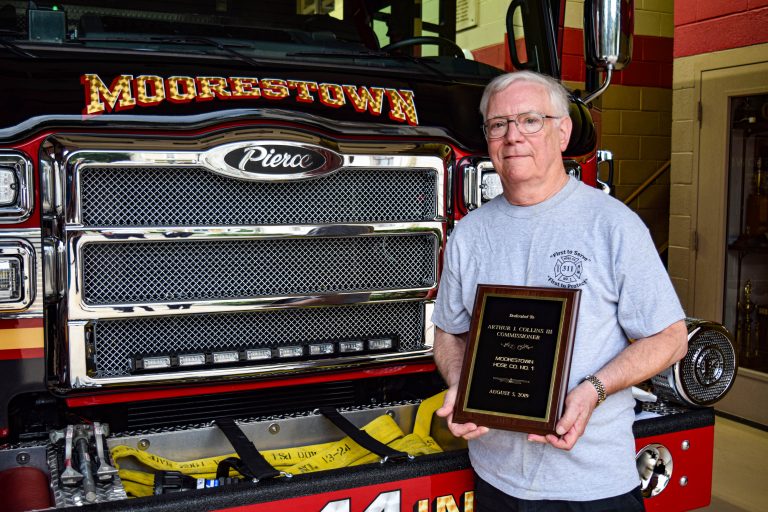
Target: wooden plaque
{"type": "Point", "coordinates": [518, 358]}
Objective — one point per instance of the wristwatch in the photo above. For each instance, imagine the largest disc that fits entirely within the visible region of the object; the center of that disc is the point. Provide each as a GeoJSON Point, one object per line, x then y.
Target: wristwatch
{"type": "Point", "coordinates": [599, 387]}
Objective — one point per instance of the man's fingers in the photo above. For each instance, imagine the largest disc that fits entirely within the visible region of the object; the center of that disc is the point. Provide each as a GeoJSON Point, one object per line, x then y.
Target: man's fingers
{"type": "Point", "coordinates": [462, 429]}
{"type": "Point", "coordinates": [466, 430]}
{"type": "Point", "coordinates": [479, 431]}
{"type": "Point", "coordinates": [567, 420]}
{"type": "Point", "coordinates": [564, 442]}
{"type": "Point", "coordinates": [448, 403]}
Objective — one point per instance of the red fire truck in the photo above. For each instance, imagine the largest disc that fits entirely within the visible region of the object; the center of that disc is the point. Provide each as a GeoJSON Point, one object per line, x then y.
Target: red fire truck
{"type": "Point", "coordinates": [221, 230]}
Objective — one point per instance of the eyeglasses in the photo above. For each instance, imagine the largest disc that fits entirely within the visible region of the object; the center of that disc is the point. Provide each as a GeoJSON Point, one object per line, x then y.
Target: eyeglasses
{"type": "Point", "coordinates": [527, 123]}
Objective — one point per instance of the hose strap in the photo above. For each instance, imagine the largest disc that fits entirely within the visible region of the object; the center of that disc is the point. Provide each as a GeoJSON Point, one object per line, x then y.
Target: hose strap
{"type": "Point", "coordinates": [363, 438]}
{"type": "Point", "coordinates": [252, 463]}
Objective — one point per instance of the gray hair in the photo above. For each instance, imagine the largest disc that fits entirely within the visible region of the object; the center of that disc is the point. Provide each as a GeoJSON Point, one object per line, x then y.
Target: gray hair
{"type": "Point", "coordinates": [558, 95]}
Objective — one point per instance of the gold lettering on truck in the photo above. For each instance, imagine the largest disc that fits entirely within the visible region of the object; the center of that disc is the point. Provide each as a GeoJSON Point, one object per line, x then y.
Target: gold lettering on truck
{"type": "Point", "coordinates": [146, 91]}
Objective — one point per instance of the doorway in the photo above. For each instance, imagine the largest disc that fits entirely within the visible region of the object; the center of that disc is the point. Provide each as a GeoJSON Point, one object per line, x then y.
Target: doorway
{"type": "Point", "coordinates": [731, 265]}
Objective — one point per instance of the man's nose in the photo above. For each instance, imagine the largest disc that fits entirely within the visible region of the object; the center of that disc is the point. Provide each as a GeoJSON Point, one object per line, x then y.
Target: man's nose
{"type": "Point", "coordinates": [513, 133]}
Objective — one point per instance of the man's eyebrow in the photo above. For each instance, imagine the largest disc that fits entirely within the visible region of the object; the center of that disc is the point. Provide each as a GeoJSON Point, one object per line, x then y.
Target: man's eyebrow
{"type": "Point", "coordinates": [505, 116]}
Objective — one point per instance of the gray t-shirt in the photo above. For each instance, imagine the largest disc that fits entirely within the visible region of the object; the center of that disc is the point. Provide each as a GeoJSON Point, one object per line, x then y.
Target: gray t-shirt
{"type": "Point", "coordinates": [579, 238]}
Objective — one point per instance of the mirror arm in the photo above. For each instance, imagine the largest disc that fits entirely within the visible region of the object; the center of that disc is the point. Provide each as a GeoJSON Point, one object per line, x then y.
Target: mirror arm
{"type": "Point", "coordinates": [594, 94]}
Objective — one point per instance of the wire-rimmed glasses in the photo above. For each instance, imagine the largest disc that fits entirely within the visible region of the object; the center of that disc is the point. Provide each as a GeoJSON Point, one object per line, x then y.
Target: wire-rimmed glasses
{"type": "Point", "coordinates": [527, 123]}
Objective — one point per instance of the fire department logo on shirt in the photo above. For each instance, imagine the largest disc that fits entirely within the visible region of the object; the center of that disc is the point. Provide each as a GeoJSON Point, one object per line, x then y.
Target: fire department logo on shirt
{"type": "Point", "coordinates": [568, 269]}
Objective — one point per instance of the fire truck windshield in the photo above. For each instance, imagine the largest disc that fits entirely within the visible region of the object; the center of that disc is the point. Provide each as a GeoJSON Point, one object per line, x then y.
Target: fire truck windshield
{"type": "Point", "coordinates": [355, 33]}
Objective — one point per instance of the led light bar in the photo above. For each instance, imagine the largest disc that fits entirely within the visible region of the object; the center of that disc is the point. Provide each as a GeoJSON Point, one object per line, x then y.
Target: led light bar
{"type": "Point", "coordinates": [381, 343]}
{"type": "Point", "coordinates": [351, 346]}
{"type": "Point", "coordinates": [191, 359]}
{"type": "Point", "coordinates": [230, 356]}
{"type": "Point", "coordinates": [156, 362]}
{"type": "Point", "coordinates": [321, 349]}
{"type": "Point", "coordinates": [258, 354]}
{"type": "Point", "coordinates": [292, 351]}
{"type": "Point", "coordinates": [198, 359]}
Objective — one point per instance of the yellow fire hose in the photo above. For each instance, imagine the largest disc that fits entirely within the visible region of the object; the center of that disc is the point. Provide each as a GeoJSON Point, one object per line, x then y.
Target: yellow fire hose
{"type": "Point", "coordinates": [296, 460]}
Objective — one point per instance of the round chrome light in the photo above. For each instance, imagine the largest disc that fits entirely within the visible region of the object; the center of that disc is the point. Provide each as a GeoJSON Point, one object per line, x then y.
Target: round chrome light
{"type": "Point", "coordinates": [707, 371]}
{"type": "Point", "coordinates": [654, 466]}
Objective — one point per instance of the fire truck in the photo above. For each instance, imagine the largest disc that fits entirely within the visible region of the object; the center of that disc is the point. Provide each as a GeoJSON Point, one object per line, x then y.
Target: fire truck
{"type": "Point", "coordinates": [221, 231]}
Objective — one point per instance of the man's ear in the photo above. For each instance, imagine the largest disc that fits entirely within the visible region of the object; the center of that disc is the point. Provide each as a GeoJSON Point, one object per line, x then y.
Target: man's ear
{"type": "Point", "coordinates": [566, 125]}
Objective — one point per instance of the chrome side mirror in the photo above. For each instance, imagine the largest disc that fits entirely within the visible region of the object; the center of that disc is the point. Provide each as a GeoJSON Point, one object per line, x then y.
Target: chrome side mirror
{"type": "Point", "coordinates": [608, 27]}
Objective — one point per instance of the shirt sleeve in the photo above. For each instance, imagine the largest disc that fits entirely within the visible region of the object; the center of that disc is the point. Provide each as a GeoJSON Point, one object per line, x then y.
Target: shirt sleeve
{"type": "Point", "coordinates": [648, 303]}
{"type": "Point", "coordinates": [450, 314]}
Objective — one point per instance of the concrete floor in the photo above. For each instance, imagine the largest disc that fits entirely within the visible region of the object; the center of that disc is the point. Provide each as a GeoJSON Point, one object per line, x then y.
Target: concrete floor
{"type": "Point", "coordinates": [740, 476]}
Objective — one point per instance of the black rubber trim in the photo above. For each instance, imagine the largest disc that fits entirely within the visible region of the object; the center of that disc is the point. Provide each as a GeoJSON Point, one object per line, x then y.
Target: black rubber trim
{"type": "Point", "coordinates": [674, 422]}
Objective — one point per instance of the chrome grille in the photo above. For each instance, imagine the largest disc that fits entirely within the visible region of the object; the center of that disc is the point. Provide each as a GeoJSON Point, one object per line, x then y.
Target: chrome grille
{"type": "Point", "coordinates": [116, 342]}
{"type": "Point", "coordinates": [179, 271]}
{"type": "Point", "coordinates": [165, 251]}
{"type": "Point", "coordinates": [193, 196]}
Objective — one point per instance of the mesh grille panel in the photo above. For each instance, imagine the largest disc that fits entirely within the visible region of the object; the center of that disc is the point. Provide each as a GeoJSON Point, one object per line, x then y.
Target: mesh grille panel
{"type": "Point", "coordinates": [706, 373]}
{"type": "Point", "coordinates": [117, 341]}
{"type": "Point", "coordinates": [701, 381]}
{"type": "Point", "coordinates": [191, 196]}
{"type": "Point", "coordinates": [120, 273]}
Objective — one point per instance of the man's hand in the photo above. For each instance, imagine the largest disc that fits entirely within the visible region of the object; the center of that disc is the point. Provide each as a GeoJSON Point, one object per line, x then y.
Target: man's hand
{"type": "Point", "coordinates": [465, 430]}
{"type": "Point", "coordinates": [579, 404]}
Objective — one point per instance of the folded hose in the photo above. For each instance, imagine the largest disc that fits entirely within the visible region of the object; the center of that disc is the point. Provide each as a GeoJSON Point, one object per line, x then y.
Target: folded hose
{"type": "Point", "coordinates": [295, 460]}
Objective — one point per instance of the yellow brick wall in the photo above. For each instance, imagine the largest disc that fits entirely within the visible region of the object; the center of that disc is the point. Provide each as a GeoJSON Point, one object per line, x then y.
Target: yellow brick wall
{"type": "Point", "coordinates": [637, 128]}
{"type": "Point", "coordinates": [491, 26]}
{"type": "Point", "coordinates": [682, 189]}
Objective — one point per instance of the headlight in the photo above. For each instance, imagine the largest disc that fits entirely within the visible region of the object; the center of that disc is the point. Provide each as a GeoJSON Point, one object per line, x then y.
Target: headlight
{"type": "Point", "coordinates": [9, 187]}
{"type": "Point", "coordinates": [15, 183]}
{"type": "Point", "coordinates": [481, 184]}
{"type": "Point", "coordinates": [16, 275]}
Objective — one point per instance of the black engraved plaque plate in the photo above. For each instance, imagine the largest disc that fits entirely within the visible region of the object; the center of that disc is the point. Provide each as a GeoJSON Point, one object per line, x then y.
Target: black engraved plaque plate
{"type": "Point", "coordinates": [515, 370]}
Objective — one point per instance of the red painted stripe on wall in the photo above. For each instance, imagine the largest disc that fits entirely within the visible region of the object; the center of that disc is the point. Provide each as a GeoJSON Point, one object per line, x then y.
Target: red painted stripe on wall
{"type": "Point", "coordinates": [651, 64]}
{"type": "Point", "coordinates": [733, 31]}
{"type": "Point", "coordinates": [690, 11]}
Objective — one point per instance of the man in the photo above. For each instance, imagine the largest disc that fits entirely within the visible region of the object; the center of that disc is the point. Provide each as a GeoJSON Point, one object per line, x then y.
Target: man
{"type": "Point", "coordinates": [544, 219]}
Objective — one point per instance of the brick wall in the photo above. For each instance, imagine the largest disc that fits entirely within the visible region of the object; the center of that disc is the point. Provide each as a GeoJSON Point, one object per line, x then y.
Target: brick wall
{"type": "Point", "coordinates": [703, 26]}
{"type": "Point", "coordinates": [637, 129]}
